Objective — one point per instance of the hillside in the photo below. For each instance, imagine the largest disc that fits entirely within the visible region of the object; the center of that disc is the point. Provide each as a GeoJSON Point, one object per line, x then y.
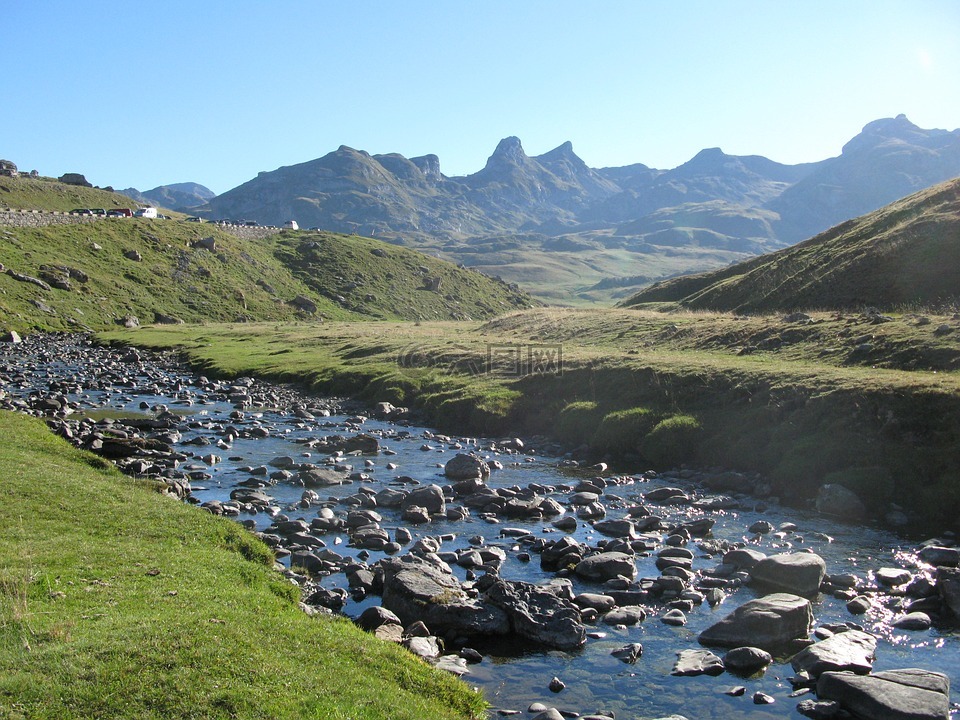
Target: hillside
{"type": "Point", "coordinates": [907, 253]}
{"type": "Point", "coordinates": [530, 219]}
{"type": "Point", "coordinates": [43, 193]}
{"type": "Point", "coordinates": [137, 271]}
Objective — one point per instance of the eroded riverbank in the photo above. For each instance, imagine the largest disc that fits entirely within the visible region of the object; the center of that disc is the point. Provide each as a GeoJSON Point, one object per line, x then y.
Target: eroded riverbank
{"type": "Point", "coordinates": [267, 456]}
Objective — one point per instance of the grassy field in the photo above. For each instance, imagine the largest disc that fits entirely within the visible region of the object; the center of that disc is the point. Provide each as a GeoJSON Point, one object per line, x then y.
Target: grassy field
{"type": "Point", "coordinates": [118, 602]}
{"type": "Point", "coordinates": [874, 406]}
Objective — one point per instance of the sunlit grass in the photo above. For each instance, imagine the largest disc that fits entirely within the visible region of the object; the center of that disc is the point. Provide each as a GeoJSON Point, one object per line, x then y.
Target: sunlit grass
{"type": "Point", "coordinates": [118, 602]}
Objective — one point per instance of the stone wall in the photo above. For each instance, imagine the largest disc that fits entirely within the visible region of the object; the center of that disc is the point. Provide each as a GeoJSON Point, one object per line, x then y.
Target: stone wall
{"type": "Point", "coordinates": [250, 233]}
{"type": "Point", "coordinates": [39, 218]}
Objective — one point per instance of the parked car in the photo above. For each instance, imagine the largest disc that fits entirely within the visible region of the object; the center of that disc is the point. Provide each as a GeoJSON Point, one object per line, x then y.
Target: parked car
{"type": "Point", "coordinates": [98, 211]}
{"type": "Point", "coordinates": [120, 212]}
{"type": "Point", "coordinates": [81, 211]}
{"type": "Point", "coordinates": [195, 219]}
{"type": "Point", "coordinates": [147, 212]}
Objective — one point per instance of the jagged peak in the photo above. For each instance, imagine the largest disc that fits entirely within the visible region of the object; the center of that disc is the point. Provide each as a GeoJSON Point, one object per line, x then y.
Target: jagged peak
{"type": "Point", "coordinates": [508, 149]}
{"type": "Point", "coordinates": [429, 165]}
{"type": "Point", "coordinates": [561, 152]}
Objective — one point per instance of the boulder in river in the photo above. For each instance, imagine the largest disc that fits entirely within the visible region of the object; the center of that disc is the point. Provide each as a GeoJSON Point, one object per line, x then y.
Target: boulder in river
{"type": "Point", "coordinates": [697, 662]}
{"type": "Point", "coordinates": [429, 497]}
{"type": "Point", "coordinates": [417, 589]}
{"type": "Point", "coordinates": [465, 467]}
{"type": "Point", "coordinates": [907, 694]}
{"type": "Point", "coordinates": [838, 501]}
{"type": "Point", "coordinates": [772, 623]}
{"type": "Point", "coordinates": [535, 613]}
{"type": "Point", "coordinates": [948, 586]}
{"type": "Point", "coordinates": [852, 650]}
{"type": "Point", "coordinates": [746, 660]}
{"type": "Point", "coordinates": [798, 573]}
{"type": "Point", "coordinates": [606, 566]}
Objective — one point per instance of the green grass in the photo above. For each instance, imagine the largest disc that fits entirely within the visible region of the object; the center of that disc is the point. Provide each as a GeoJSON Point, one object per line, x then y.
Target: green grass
{"type": "Point", "coordinates": [44, 193]}
{"type": "Point", "coordinates": [118, 602]}
{"type": "Point", "coordinates": [240, 280]}
{"type": "Point", "coordinates": [662, 388]}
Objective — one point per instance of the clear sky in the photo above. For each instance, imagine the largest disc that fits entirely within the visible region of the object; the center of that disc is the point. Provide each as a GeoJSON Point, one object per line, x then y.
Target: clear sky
{"type": "Point", "coordinates": [151, 92]}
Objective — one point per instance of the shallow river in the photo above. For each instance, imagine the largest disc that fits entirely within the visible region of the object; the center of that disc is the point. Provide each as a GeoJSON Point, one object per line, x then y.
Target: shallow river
{"type": "Point", "coordinates": [512, 678]}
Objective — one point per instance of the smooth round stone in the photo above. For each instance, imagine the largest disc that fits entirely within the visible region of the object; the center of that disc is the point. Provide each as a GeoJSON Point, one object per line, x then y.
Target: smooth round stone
{"type": "Point", "coordinates": [913, 621]}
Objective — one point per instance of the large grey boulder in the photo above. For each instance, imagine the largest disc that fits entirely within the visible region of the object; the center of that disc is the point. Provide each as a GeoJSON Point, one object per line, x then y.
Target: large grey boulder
{"type": "Point", "coordinates": [838, 501]}
{"type": "Point", "coordinates": [948, 586]}
{"type": "Point", "coordinates": [771, 623]}
{"type": "Point", "coordinates": [697, 662]}
{"type": "Point", "coordinates": [797, 573]}
{"type": "Point", "coordinates": [940, 556]}
{"type": "Point", "coordinates": [535, 613]}
{"type": "Point", "coordinates": [464, 467]}
{"type": "Point", "coordinates": [606, 566]}
{"type": "Point", "coordinates": [429, 497]}
{"type": "Point", "coordinates": [417, 589]}
{"type": "Point", "coordinates": [563, 553]}
{"type": "Point", "coordinates": [852, 650]}
{"type": "Point", "coordinates": [907, 694]}
{"type": "Point", "coordinates": [747, 660]}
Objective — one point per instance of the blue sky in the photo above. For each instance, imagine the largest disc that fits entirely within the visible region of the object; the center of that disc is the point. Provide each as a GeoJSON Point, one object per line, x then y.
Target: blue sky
{"type": "Point", "coordinates": [147, 93]}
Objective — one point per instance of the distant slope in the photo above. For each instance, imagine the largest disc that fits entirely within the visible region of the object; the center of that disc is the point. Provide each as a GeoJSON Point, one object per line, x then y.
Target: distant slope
{"type": "Point", "coordinates": [905, 253]}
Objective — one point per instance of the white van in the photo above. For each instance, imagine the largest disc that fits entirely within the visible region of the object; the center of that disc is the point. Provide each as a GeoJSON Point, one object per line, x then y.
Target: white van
{"type": "Point", "coordinates": [291, 225]}
{"type": "Point", "coordinates": [146, 212]}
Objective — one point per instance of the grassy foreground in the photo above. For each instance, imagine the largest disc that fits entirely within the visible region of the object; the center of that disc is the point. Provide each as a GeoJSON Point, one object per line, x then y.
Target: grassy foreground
{"type": "Point", "coordinates": [841, 399]}
{"type": "Point", "coordinates": [116, 602]}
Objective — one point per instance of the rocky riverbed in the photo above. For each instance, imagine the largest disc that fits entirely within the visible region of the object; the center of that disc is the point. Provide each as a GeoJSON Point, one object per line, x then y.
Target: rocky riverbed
{"type": "Point", "coordinates": [562, 591]}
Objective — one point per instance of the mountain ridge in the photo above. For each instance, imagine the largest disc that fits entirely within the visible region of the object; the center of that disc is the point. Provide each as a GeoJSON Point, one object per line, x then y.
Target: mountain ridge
{"type": "Point", "coordinates": [905, 254]}
{"type": "Point", "coordinates": [643, 222]}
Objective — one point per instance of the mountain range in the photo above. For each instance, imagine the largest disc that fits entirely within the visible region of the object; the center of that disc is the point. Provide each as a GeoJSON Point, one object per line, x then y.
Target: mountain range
{"type": "Point", "coordinates": [183, 197]}
{"type": "Point", "coordinates": [572, 233]}
{"type": "Point", "coordinates": [904, 255]}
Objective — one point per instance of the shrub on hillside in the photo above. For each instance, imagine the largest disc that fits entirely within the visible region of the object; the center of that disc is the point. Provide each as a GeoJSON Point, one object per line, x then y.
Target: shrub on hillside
{"type": "Point", "coordinates": [577, 422]}
{"type": "Point", "coordinates": [672, 441]}
{"type": "Point", "coordinates": [622, 431]}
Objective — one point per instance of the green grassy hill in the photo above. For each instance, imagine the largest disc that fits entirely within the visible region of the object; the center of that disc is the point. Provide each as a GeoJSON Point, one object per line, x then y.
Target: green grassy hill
{"type": "Point", "coordinates": [905, 254]}
{"type": "Point", "coordinates": [90, 278]}
{"type": "Point", "coordinates": [43, 193]}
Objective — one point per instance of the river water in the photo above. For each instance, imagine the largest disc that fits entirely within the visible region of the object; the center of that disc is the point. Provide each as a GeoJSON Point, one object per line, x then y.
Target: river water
{"type": "Point", "coordinates": [510, 677]}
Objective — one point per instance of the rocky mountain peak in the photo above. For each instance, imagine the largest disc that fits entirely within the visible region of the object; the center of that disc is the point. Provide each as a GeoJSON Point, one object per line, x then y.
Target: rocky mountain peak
{"type": "Point", "coordinates": [897, 128]}
{"type": "Point", "coordinates": [509, 151]}
{"type": "Point", "coordinates": [430, 166]}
